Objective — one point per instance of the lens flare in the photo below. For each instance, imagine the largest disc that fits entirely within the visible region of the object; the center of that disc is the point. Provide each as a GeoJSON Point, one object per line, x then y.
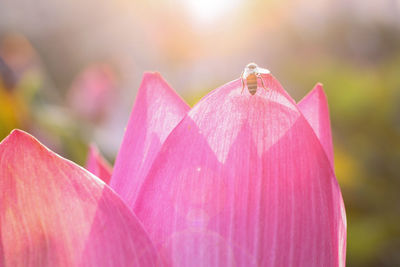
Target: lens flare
{"type": "Point", "coordinates": [205, 11]}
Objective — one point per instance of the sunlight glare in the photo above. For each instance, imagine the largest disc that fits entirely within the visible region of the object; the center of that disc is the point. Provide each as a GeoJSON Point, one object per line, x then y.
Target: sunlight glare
{"type": "Point", "coordinates": [205, 11]}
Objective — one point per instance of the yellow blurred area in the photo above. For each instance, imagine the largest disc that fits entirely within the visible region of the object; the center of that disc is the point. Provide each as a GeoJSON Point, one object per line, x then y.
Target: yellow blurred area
{"type": "Point", "coordinates": [347, 168]}
{"type": "Point", "coordinates": [9, 112]}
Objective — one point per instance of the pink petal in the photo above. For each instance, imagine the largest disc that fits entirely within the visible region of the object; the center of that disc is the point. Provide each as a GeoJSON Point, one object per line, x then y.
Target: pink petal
{"type": "Point", "coordinates": [98, 165]}
{"type": "Point", "coordinates": [55, 213]}
{"type": "Point", "coordinates": [157, 110]}
{"type": "Point", "coordinates": [315, 109]}
{"type": "Point", "coordinates": [244, 181]}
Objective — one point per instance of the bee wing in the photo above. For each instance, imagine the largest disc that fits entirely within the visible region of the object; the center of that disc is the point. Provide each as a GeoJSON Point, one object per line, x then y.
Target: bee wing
{"type": "Point", "coordinates": [262, 71]}
{"type": "Point", "coordinates": [246, 73]}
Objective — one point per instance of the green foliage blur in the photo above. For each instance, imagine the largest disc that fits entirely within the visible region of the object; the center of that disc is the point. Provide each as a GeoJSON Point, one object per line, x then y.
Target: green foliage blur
{"type": "Point", "coordinates": [358, 64]}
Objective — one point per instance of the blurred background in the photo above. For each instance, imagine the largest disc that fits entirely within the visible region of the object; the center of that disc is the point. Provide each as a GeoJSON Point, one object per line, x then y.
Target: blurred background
{"type": "Point", "coordinates": [69, 72]}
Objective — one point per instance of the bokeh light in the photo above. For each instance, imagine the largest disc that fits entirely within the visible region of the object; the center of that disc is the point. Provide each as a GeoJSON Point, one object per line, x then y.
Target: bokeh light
{"type": "Point", "coordinates": [210, 11]}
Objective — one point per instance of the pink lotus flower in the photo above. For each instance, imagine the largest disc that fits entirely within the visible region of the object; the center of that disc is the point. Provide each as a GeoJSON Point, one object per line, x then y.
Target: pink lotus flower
{"type": "Point", "coordinates": [238, 180]}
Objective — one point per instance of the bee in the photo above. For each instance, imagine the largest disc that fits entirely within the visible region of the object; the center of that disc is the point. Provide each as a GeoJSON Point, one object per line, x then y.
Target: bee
{"type": "Point", "coordinates": [251, 73]}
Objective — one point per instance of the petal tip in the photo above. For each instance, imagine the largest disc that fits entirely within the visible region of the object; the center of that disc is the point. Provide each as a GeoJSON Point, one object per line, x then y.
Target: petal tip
{"type": "Point", "coordinates": [317, 91]}
{"type": "Point", "coordinates": [151, 75]}
{"type": "Point", "coordinates": [17, 134]}
{"type": "Point", "coordinates": [314, 107]}
{"type": "Point", "coordinates": [153, 83]}
{"type": "Point", "coordinates": [319, 88]}
{"type": "Point", "coordinates": [150, 79]}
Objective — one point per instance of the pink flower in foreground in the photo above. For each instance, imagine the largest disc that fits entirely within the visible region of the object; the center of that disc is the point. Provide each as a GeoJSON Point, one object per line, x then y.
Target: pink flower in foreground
{"type": "Point", "coordinates": [238, 180]}
{"type": "Point", "coordinates": [54, 213]}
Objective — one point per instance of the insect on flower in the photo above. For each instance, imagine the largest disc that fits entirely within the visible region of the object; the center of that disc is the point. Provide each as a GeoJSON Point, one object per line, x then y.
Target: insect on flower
{"type": "Point", "coordinates": [251, 73]}
{"type": "Point", "coordinates": [183, 198]}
